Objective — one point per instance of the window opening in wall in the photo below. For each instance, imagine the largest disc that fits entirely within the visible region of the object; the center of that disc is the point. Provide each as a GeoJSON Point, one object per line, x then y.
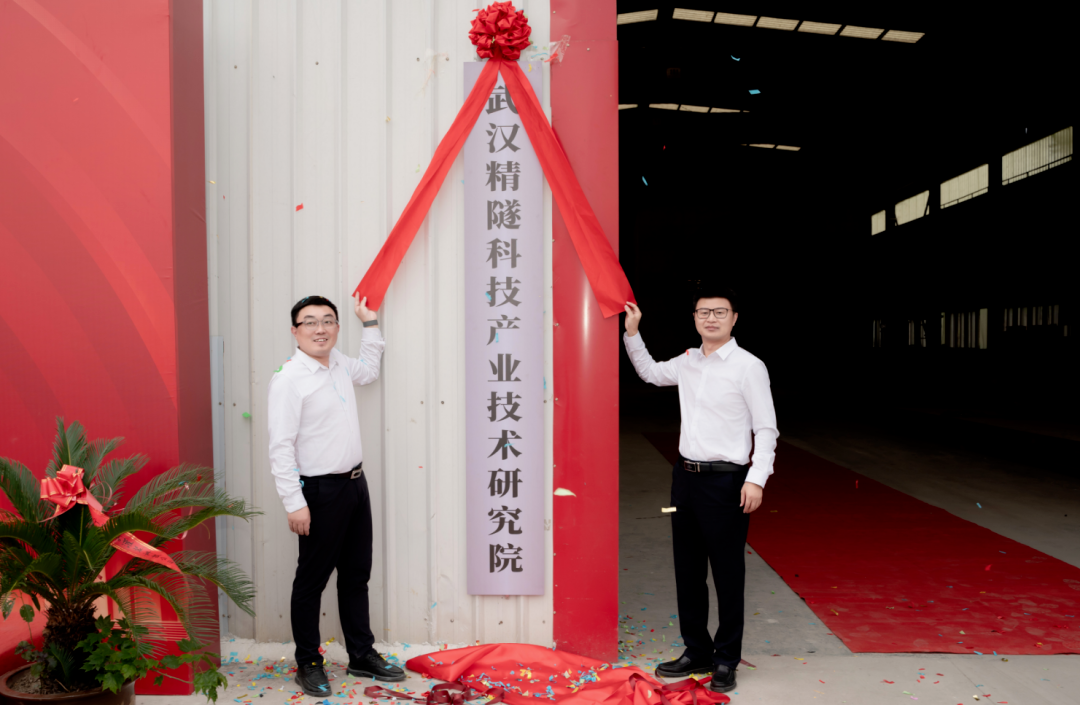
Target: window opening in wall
{"type": "Point", "coordinates": [912, 208]}
{"type": "Point", "coordinates": [965, 187]}
{"type": "Point", "coordinates": [916, 333]}
{"type": "Point", "coordinates": [1037, 157]}
{"type": "Point", "coordinates": [967, 329]}
{"type": "Point", "coordinates": [877, 223]}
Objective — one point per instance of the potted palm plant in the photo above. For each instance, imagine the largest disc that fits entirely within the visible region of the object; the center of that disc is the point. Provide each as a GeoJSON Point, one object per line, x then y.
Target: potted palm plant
{"type": "Point", "coordinates": [54, 549]}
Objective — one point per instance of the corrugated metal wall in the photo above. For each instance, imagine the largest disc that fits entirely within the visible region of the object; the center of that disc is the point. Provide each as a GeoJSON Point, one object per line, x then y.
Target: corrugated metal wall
{"type": "Point", "coordinates": [320, 104]}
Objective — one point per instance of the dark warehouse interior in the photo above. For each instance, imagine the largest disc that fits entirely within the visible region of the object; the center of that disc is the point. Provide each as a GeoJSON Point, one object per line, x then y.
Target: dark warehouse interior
{"type": "Point", "coordinates": [875, 122]}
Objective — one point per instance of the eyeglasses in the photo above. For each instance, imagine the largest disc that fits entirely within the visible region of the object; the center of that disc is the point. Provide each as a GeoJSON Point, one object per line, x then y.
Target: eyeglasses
{"type": "Point", "coordinates": [703, 313]}
{"type": "Point", "coordinates": [311, 324]}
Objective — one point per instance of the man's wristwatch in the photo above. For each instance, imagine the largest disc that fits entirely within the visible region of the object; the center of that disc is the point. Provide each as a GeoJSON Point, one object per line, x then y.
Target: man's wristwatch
{"type": "Point", "coordinates": [374, 322]}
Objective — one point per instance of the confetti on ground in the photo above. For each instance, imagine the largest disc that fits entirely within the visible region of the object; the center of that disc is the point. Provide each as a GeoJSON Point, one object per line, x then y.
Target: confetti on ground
{"type": "Point", "coordinates": [735, 59]}
{"type": "Point", "coordinates": [300, 207]}
{"type": "Point", "coordinates": [563, 492]}
{"type": "Point", "coordinates": [643, 180]}
{"type": "Point", "coordinates": [246, 415]}
{"type": "Point", "coordinates": [754, 91]}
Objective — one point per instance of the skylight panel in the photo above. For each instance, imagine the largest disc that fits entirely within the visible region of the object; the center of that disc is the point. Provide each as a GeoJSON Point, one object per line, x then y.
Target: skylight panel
{"type": "Point", "coordinates": [820, 28]}
{"type": "Point", "coordinates": [692, 15]}
{"type": "Point", "coordinates": [740, 20]}
{"type": "Point", "coordinates": [723, 110]}
{"type": "Point", "coordinates": [861, 32]}
{"type": "Point", "coordinates": [777, 23]}
{"type": "Point", "coordinates": [895, 35]}
{"type": "Point", "coordinates": [632, 17]}
{"type": "Point", "coordinates": [627, 106]}
{"type": "Point", "coordinates": [694, 108]}
{"type": "Point", "coordinates": [665, 106]}
{"type": "Point", "coordinates": [763, 146]}
{"type": "Point", "coordinates": [788, 148]}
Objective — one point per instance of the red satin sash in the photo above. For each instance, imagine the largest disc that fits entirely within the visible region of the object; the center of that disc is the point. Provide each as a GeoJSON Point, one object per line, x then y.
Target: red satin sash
{"type": "Point", "coordinates": [598, 258]}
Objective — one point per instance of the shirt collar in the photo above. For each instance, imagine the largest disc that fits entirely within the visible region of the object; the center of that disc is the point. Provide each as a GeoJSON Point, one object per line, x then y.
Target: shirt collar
{"type": "Point", "coordinates": [311, 363]}
{"type": "Point", "coordinates": [724, 351]}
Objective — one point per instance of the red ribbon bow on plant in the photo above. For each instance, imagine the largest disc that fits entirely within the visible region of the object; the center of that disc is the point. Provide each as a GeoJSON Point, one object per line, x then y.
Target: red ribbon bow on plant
{"type": "Point", "coordinates": [67, 489]}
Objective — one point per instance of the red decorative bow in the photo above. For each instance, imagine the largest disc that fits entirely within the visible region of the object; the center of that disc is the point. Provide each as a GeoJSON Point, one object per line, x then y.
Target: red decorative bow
{"type": "Point", "coordinates": [500, 32]}
{"type": "Point", "coordinates": [67, 489]}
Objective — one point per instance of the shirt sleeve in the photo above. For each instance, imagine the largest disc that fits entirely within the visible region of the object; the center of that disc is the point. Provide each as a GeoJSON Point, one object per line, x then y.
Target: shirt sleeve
{"type": "Point", "coordinates": [283, 411]}
{"type": "Point", "coordinates": [759, 401]}
{"type": "Point", "coordinates": [365, 368]}
{"type": "Point", "coordinates": [662, 374]}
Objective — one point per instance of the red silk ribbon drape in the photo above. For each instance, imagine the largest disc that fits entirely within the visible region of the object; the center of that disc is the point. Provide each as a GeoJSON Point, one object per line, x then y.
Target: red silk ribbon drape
{"type": "Point", "coordinates": [67, 489]}
{"type": "Point", "coordinates": [598, 259]}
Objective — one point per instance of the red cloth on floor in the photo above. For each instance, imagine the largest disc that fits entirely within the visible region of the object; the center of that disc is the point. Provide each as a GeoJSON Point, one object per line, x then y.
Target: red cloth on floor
{"type": "Point", "coordinates": [571, 678]}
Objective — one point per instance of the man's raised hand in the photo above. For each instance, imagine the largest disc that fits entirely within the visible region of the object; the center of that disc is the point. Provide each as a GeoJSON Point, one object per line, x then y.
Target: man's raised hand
{"type": "Point", "coordinates": [362, 311]}
{"type": "Point", "coordinates": [633, 317]}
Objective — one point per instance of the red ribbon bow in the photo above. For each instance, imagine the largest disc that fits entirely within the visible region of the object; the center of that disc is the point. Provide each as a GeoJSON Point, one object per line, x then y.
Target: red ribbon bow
{"type": "Point", "coordinates": [67, 489]}
{"type": "Point", "coordinates": [500, 32]}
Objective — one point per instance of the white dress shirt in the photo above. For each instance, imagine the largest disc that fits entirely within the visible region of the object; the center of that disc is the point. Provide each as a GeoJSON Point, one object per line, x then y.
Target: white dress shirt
{"type": "Point", "coordinates": [723, 398]}
{"type": "Point", "coordinates": [314, 428]}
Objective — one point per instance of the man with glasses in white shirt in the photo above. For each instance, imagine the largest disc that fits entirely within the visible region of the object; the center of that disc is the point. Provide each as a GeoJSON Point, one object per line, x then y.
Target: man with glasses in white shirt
{"type": "Point", "coordinates": [727, 409]}
{"type": "Point", "coordinates": [317, 462]}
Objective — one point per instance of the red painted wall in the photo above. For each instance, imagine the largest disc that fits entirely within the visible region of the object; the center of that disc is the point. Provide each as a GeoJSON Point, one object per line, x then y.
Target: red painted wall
{"type": "Point", "coordinates": [585, 116]}
{"type": "Point", "coordinates": [102, 233]}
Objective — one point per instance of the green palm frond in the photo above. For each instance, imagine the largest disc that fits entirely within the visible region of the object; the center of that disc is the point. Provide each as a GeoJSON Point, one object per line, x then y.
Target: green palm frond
{"type": "Point", "coordinates": [222, 572]}
{"type": "Point", "coordinates": [23, 490]}
{"type": "Point", "coordinates": [36, 572]}
{"type": "Point", "coordinates": [96, 451]}
{"type": "Point", "coordinates": [129, 521]}
{"type": "Point", "coordinates": [168, 485]}
{"type": "Point", "coordinates": [110, 478]}
{"type": "Point", "coordinates": [69, 449]}
{"type": "Point", "coordinates": [32, 535]}
{"type": "Point", "coordinates": [185, 595]}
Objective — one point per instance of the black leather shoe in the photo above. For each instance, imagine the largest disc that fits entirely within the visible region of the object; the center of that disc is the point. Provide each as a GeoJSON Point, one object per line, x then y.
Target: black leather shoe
{"type": "Point", "coordinates": [682, 667]}
{"type": "Point", "coordinates": [312, 680]}
{"type": "Point", "coordinates": [373, 665]}
{"type": "Point", "coordinates": [723, 679]}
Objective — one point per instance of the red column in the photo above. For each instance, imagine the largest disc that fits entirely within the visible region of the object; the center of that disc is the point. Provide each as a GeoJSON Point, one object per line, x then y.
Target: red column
{"type": "Point", "coordinates": [102, 229]}
{"type": "Point", "coordinates": [585, 116]}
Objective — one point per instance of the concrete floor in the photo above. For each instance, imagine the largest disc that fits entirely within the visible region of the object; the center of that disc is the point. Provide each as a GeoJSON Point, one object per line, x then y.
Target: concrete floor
{"type": "Point", "coordinates": [793, 658]}
{"type": "Point", "coordinates": [1037, 506]}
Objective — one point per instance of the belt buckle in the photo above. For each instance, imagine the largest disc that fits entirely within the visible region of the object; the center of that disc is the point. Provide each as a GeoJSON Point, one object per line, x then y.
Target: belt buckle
{"type": "Point", "coordinates": [688, 463]}
{"type": "Point", "coordinates": [356, 473]}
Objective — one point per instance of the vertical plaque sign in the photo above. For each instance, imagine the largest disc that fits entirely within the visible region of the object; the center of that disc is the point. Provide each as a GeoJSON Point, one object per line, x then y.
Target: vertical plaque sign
{"type": "Point", "coordinates": [504, 349]}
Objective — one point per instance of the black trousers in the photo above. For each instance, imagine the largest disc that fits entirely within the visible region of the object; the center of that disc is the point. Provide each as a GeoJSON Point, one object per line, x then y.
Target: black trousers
{"type": "Point", "coordinates": [709, 527]}
{"type": "Point", "coordinates": [340, 537]}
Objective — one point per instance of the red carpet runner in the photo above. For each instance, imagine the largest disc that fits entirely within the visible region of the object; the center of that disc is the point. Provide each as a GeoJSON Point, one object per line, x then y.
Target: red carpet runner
{"type": "Point", "coordinates": [888, 573]}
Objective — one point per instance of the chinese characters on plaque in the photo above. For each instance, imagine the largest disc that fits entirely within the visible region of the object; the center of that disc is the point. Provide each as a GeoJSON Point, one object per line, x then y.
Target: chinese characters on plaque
{"type": "Point", "coordinates": [504, 349]}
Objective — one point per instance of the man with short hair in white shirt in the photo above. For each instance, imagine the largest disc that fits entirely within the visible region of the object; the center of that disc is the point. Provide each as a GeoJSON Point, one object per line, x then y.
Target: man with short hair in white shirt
{"type": "Point", "coordinates": [724, 397]}
{"type": "Point", "coordinates": [317, 462]}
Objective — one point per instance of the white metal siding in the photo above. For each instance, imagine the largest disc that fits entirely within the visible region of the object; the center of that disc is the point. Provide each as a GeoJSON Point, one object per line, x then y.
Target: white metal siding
{"type": "Point", "coordinates": [320, 103]}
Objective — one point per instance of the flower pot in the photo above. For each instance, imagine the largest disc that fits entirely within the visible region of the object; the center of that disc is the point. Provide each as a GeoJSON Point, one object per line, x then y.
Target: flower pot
{"type": "Point", "coordinates": [126, 696]}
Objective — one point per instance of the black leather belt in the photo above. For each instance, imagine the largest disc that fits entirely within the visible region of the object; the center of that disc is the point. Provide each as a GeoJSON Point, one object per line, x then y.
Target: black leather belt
{"type": "Point", "coordinates": [713, 466]}
{"type": "Point", "coordinates": [357, 470]}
